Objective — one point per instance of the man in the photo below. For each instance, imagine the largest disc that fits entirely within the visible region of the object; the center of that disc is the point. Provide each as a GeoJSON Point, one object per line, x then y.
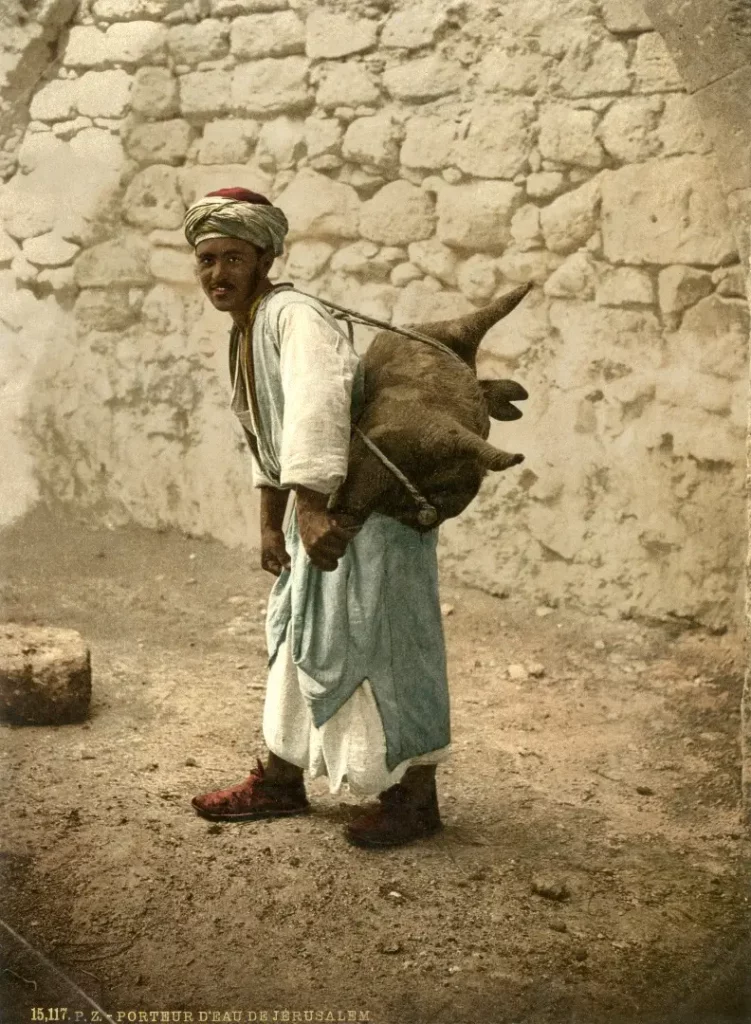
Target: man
{"type": "Point", "coordinates": [357, 685]}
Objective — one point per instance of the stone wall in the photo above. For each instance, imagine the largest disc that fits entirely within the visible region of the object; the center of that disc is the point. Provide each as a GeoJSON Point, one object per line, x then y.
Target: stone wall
{"type": "Point", "coordinates": [428, 155]}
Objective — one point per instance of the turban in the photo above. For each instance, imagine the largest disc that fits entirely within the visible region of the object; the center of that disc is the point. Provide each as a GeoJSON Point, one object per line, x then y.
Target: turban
{"type": "Point", "coordinates": [236, 213]}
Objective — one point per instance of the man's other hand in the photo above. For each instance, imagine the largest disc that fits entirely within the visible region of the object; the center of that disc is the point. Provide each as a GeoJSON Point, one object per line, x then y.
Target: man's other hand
{"type": "Point", "coordinates": [323, 538]}
{"type": "Point", "coordinates": [274, 556]}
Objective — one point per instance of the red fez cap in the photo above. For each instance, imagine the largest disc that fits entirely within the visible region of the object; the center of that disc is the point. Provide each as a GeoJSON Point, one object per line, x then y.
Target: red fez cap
{"type": "Point", "coordinates": [242, 195]}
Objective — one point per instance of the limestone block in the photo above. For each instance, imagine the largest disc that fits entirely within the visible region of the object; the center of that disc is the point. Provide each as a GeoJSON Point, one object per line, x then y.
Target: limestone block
{"type": "Point", "coordinates": [545, 184]}
{"type": "Point", "coordinates": [569, 220]}
{"type": "Point", "coordinates": [436, 259]}
{"type": "Point", "coordinates": [191, 44]}
{"type": "Point", "coordinates": [281, 143]}
{"type": "Point", "coordinates": [322, 136]}
{"type": "Point", "coordinates": [429, 142]}
{"type": "Point", "coordinates": [628, 129]}
{"type": "Point", "coordinates": [318, 207]}
{"type": "Point", "coordinates": [526, 229]}
{"type": "Point", "coordinates": [713, 337]}
{"type": "Point", "coordinates": [499, 140]}
{"type": "Point", "coordinates": [38, 148]}
{"type": "Point", "coordinates": [680, 128]}
{"type": "Point", "coordinates": [103, 309]}
{"type": "Point", "coordinates": [197, 181]}
{"type": "Point", "coordinates": [49, 250]}
{"type": "Point", "coordinates": [232, 8]}
{"type": "Point", "coordinates": [55, 101]}
{"type": "Point", "coordinates": [477, 215]}
{"type": "Point", "coordinates": [355, 259]}
{"type": "Point", "coordinates": [574, 279]}
{"type": "Point", "coordinates": [9, 248]}
{"type": "Point", "coordinates": [629, 337]}
{"type": "Point", "coordinates": [306, 260]}
{"type": "Point", "coordinates": [85, 48]}
{"type": "Point", "coordinates": [625, 16]}
{"type": "Point", "coordinates": [502, 71]}
{"type": "Point", "coordinates": [152, 199]}
{"type": "Point", "coordinates": [175, 239]}
{"type": "Point", "coordinates": [173, 266]}
{"type": "Point", "coordinates": [267, 35]}
{"type": "Point", "coordinates": [404, 273]}
{"type": "Point", "coordinates": [117, 263]}
{"type": "Point", "coordinates": [373, 141]}
{"type": "Point", "coordinates": [521, 267]}
{"type": "Point", "coordinates": [427, 78]}
{"type": "Point", "coordinates": [680, 287]}
{"type": "Point", "coordinates": [478, 277]}
{"type": "Point", "coordinates": [567, 136]}
{"type": "Point", "coordinates": [205, 93]}
{"type": "Point", "coordinates": [160, 142]}
{"type": "Point", "coordinates": [133, 10]}
{"type": "Point", "coordinates": [336, 35]}
{"type": "Point", "coordinates": [271, 86]}
{"type": "Point", "coordinates": [227, 141]}
{"type": "Point", "coordinates": [104, 93]}
{"type": "Point", "coordinates": [347, 85]}
{"type": "Point", "coordinates": [397, 214]}
{"type": "Point", "coordinates": [154, 92]}
{"type": "Point", "coordinates": [654, 69]}
{"type": "Point", "coordinates": [666, 211]}
{"type": "Point", "coordinates": [26, 215]}
{"type": "Point", "coordinates": [595, 68]}
{"type": "Point", "coordinates": [681, 386]}
{"type": "Point", "coordinates": [45, 675]}
{"type": "Point", "coordinates": [414, 27]}
{"type": "Point", "coordinates": [163, 310]}
{"type": "Point", "coordinates": [419, 302]}
{"type": "Point", "coordinates": [623, 286]}
{"type": "Point", "coordinates": [136, 42]}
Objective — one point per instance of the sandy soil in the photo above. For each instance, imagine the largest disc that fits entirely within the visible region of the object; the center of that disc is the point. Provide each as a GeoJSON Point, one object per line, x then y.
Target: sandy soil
{"type": "Point", "coordinates": [609, 778]}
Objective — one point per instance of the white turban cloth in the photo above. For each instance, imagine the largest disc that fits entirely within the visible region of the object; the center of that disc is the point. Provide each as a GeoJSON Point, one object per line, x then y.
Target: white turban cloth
{"type": "Point", "coordinates": [221, 217]}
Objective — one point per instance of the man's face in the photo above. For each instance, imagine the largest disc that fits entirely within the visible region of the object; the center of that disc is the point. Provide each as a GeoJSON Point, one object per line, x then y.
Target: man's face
{"type": "Point", "coordinates": [230, 271]}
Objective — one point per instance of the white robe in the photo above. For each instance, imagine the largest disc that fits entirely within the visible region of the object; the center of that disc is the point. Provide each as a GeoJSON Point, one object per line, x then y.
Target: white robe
{"type": "Point", "coordinates": [309, 447]}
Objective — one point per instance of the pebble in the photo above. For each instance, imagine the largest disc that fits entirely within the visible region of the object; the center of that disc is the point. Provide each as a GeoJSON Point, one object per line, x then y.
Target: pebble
{"type": "Point", "coordinates": [517, 672]}
{"type": "Point", "coordinates": [394, 895]}
{"type": "Point", "coordinates": [542, 611]}
{"type": "Point", "coordinates": [394, 947]}
{"type": "Point", "coordinates": [190, 762]}
{"type": "Point", "coordinates": [447, 609]}
{"type": "Point", "coordinates": [600, 645]}
{"type": "Point", "coordinates": [645, 791]}
{"type": "Point", "coordinates": [237, 599]}
{"type": "Point", "coordinates": [535, 669]}
{"type": "Point", "coordinates": [550, 889]}
{"type": "Point", "coordinates": [559, 926]}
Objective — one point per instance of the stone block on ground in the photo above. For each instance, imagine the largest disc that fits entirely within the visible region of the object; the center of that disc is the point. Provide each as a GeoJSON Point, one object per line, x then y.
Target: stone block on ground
{"type": "Point", "coordinates": [45, 675]}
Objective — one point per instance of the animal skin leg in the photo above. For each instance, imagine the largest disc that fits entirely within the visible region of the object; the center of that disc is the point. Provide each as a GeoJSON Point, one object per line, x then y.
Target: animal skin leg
{"type": "Point", "coordinates": [489, 457]}
{"type": "Point", "coordinates": [499, 394]}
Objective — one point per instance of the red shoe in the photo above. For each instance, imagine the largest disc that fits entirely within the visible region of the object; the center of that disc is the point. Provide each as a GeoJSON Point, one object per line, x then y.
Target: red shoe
{"type": "Point", "coordinates": [397, 819]}
{"type": "Point", "coordinates": [256, 797]}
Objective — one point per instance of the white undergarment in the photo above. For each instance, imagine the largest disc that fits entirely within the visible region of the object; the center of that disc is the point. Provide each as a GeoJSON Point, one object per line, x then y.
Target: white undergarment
{"type": "Point", "coordinates": [350, 747]}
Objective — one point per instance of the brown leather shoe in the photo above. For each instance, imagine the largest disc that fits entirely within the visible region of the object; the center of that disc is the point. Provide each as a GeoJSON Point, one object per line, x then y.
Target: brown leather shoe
{"type": "Point", "coordinates": [397, 819]}
{"type": "Point", "coordinates": [257, 797]}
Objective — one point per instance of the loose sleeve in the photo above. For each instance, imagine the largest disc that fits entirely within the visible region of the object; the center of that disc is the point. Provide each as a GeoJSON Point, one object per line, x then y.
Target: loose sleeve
{"type": "Point", "coordinates": [318, 367]}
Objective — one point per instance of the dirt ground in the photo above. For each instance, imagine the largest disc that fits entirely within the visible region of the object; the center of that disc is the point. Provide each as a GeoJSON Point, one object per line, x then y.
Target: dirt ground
{"type": "Point", "coordinates": [591, 868]}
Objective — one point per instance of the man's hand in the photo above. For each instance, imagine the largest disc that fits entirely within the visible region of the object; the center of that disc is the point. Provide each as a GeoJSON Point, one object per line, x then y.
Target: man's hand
{"type": "Point", "coordinates": [274, 556]}
{"type": "Point", "coordinates": [323, 538]}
